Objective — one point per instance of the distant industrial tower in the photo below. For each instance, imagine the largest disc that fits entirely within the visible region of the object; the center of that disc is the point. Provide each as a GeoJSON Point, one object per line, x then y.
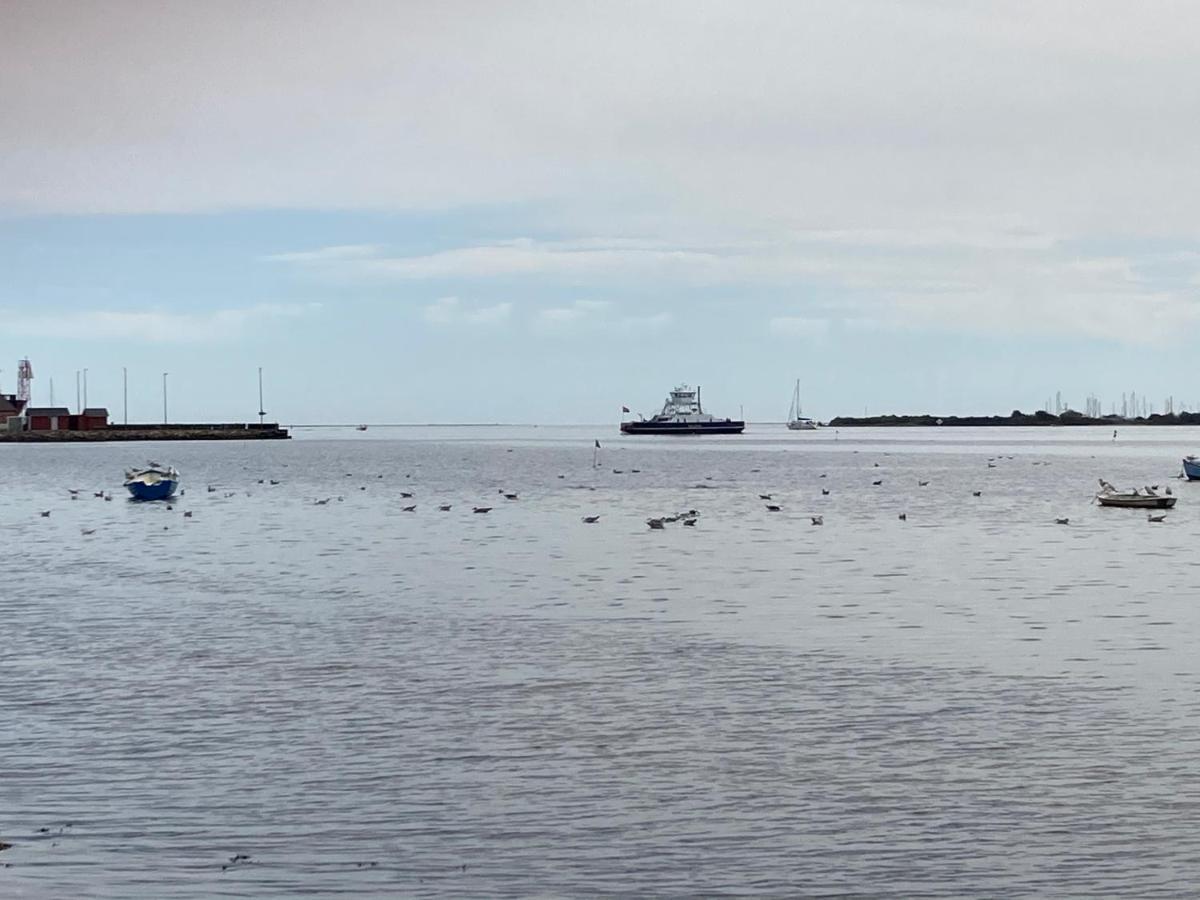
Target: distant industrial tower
{"type": "Point", "coordinates": [24, 381]}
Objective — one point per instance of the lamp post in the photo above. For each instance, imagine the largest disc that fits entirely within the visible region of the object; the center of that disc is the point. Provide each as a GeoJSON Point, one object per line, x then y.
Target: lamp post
{"type": "Point", "coordinates": [165, 398]}
{"type": "Point", "coordinates": [261, 413]}
{"type": "Point", "coordinates": [84, 390]}
{"type": "Point", "coordinates": [125, 391]}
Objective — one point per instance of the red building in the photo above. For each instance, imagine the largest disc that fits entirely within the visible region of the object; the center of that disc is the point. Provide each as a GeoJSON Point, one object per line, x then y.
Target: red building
{"type": "Point", "coordinates": [9, 406]}
{"type": "Point", "coordinates": [48, 418]}
{"type": "Point", "coordinates": [91, 419]}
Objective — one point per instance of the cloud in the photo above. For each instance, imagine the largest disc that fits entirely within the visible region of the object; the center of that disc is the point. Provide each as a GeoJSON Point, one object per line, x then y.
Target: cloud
{"type": "Point", "coordinates": [150, 326]}
{"type": "Point", "coordinates": [449, 311]}
{"type": "Point", "coordinates": [333, 254]}
{"type": "Point", "coordinates": [588, 316]}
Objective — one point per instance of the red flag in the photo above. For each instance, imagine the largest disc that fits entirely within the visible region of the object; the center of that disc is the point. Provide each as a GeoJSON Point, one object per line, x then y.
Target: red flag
{"type": "Point", "coordinates": [624, 409]}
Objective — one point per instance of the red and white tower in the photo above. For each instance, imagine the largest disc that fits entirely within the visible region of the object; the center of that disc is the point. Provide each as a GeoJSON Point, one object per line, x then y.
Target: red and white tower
{"type": "Point", "coordinates": [24, 381]}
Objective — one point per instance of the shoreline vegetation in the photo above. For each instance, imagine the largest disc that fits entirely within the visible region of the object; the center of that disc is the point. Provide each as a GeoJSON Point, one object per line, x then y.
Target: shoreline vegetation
{"type": "Point", "coordinates": [224, 431]}
{"type": "Point", "coordinates": [1016, 417]}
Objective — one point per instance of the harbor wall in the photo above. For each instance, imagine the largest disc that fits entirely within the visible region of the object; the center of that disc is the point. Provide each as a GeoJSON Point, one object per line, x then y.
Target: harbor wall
{"type": "Point", "coordinates": [209, 431]}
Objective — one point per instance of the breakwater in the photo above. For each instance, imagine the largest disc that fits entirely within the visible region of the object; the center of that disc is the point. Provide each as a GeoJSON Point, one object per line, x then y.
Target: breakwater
{"type": "Point", "coordinates": [212, 431]}
{"type": "Point", "coordinates": [1069, 418]}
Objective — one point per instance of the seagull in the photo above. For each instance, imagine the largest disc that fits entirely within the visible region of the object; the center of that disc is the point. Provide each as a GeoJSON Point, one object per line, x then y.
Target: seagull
{"type": "Point", "coordinates": [903, 517]}
{"type": "Point", "coordinates": [976, 493]}
{"type": "Point", "coordinates": [824, 492]}
{"type": "Point", "coordinates": [406, 495]}
{"type": "Point", "coordinates": [689, 521]}
{"type": "Point", "coordinates": [773, 507]}
{"type": "Point", "coordinates": [1063, 521]}
{"type": "Point", "coordinates": [764, 496]}
{"type": "Point", "coordinates": [412, 508]}
{"type": "Point", "coordinates": [877, 483]}
{"type": "Point", "coordinates": [273, 481]}
{"type": "Point", "coordinates": [591, 520]}
{"type": "Point", "coordinates": [656, 523]}
{"type": "Point", "coordinates": [1159, 518]}
{"type": "Point", "coordinates": [187, 514]}
{"type": "Point", "coordinates": [45, 514]}
{"type": "Point", "coordinates": [616, 471]}
{"type": "Point", "coordinates": [321, 502]}
{"type": "Point", "coordinates": [211, 489]}
{"type": "Point", "coordinates": [636, 471]}
{"type": "Point", "coordinates": [445, 507]}
{"type": "Point", "coordinates": [481, 509]}
{"type": "Point", "coordinates": [98, 494]}
{"type": "Point", "coordinates": [922, 483]}
{"type": "Point", "coordinates": [510, 496]}
{"type": "Point", "coordinates": [822, 475]}
{"type": "Point", "coordinates": [818, 520]}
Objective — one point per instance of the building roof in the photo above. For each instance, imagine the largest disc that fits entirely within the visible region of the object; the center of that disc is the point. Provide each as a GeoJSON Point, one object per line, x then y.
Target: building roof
{"type": "Point", "coordinates": [47, 411]}
{"type": "Point", "coordinates": [96, 411]}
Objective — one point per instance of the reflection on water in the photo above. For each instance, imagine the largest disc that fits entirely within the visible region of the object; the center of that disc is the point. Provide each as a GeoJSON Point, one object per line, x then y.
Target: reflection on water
{"type": "Point", "coordinates": [363, 700]}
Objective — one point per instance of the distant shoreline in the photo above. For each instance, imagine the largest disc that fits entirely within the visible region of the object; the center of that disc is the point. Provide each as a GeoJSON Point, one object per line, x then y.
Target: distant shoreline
{"type": "Point", "coordinates": [1017, 418]}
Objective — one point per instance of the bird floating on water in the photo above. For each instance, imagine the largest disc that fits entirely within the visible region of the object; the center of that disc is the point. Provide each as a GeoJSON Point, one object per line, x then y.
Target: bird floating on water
{"type": "Point", "coordinates": [45, 514]}
{"type": "Point", "coordinates": [187, 514]}
{"type": "Point", "coordinates": [976, 493]}
{"type": "Point", "coordinates": [824, 492]}
{"type": "Point", "coordinates": [764, 497]}
{"type": "Point", "coordinates": [1162, 517]}
{"type": "Point", "coordinates": [773, 507]}
{"type": "Point", "coordinates": [407, 495]}
{"type": "Point", "coordinates": [445, 507]}
{"type": "Point", "coordinates": [656, 523]}
{"type": "Point", "coordinates": [412, 508]}
{"type": "Point", "coordinates": [481, 509]}
{"type": "Point", "coordinates": [591, 520]}
{"type": "Point", "coordinates": [877, 483]}
{"type": "Point", "coordinates": [817, 520]}
{"type": "Point", "coordinates": [86, 531]}
{"type": "Point", "coordinates": [510, 496]}
{"type": "Point", "coordinates": [922, 483]}
{"type": "Point", "coordinates": [1063, 521]}
{"type": "Point", "coordinates": [689, 522]}
{"type": "Point", "coordinates": [903, 517]}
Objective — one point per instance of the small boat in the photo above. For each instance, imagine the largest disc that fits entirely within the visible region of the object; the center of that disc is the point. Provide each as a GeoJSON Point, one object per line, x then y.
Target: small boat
{"type": "Point", "coordinates": [682, 414]}
{"type": "Point", "coordinates": [154, 482]}
{"type": "Point", "coordinates": [797, 422]}
{"type": "Point", "coordinates": [1146, 498]}
{"type": "Point", "coordinates": [1191, 468]}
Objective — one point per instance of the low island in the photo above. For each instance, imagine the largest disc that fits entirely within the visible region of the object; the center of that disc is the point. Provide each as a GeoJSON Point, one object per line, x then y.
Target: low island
{"type": "Point", "coordinates": [1016, 417]}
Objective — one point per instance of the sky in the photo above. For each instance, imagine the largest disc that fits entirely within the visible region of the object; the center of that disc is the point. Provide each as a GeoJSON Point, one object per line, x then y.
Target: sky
{"type": "Point", "coordinates": [539, 212]}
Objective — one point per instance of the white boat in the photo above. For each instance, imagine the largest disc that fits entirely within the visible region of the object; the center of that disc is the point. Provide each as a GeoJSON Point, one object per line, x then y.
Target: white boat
{"type": "Point", "coordinates": [1146, 498]}
{"type": "Point", "coordinates": [797, 422]}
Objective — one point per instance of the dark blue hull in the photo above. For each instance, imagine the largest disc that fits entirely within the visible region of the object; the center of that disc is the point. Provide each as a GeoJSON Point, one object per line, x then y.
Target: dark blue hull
{"type": "Point", "coordinates": [1191, 468]}
{"type": "Point", "coordinates": [729, 426]}
{"type": "Point", "coordinates": [163, 490]}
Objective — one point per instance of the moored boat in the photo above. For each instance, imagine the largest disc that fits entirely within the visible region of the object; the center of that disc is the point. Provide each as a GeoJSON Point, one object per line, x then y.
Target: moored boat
{"type": "Point", "coordinates": [1146, 498]}
{"type": "Point", "coordinates": [152, 483]}
{"type": "Point", "coordinates": [682, 414]}
{"type": "Point", "coordinates": [1191, 468]}
{"type": "Point", "coordinates": [796, 421]}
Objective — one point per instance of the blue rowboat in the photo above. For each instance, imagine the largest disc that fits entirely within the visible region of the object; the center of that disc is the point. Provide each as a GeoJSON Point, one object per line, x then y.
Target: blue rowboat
{"type": "Point", "coordinates": [1191, 468]}
{"type": "Point", "coordinates": [153, 483]}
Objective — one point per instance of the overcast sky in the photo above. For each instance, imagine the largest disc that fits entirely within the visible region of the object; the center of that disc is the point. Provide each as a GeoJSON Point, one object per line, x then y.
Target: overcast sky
{"type": "Point", "coordinates": [541, 211]}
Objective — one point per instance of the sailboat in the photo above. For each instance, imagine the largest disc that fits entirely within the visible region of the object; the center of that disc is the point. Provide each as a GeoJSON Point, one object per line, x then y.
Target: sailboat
{"type": "Point", "coordinates": [797, 422]}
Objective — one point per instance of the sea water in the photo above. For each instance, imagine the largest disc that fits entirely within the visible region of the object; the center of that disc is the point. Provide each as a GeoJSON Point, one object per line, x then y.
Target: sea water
{"type": "Point", "coordinates": [303, 689]}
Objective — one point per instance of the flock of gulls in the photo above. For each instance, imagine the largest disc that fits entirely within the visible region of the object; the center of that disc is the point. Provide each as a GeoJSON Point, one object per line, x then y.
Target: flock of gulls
{"type": "Point", "coordinates": [688, 517]}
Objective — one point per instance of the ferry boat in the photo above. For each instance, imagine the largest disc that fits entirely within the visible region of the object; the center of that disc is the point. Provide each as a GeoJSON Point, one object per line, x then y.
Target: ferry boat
{"type": "Point", "coordinates": [682, 414]}
{"type": "Point", "coordinates": [152, 483]}
{"type": "Point", "coordinates": [797, 422]}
